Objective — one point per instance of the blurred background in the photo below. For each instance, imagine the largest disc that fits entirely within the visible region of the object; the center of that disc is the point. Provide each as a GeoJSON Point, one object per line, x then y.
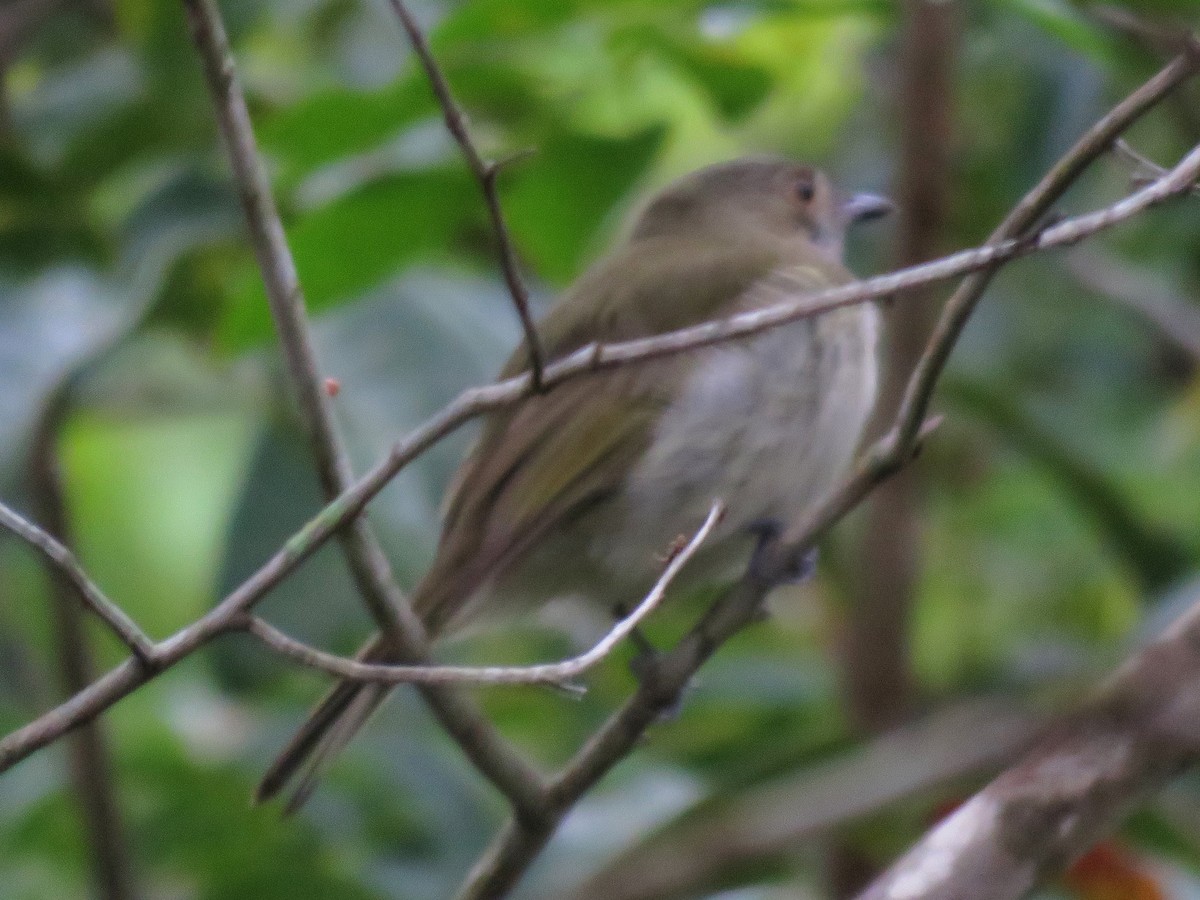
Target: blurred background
{"type": "Point", "coordinates": [1049, 527]}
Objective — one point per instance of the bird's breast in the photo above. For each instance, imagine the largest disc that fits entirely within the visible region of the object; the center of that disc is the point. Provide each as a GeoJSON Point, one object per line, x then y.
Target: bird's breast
{"type": "Point", "coordinates": [768, 425]}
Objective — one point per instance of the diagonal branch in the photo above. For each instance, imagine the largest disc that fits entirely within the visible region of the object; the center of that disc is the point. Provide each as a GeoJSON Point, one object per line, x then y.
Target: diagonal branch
{"type": "Point", "coordinates": [67, 565]}
{"type": "Point", "coordinates": [520, 842]}
{"type": "Point", "coordinates": [485, 172]}
{"type": "Point", "coordinates": [1072, 789]}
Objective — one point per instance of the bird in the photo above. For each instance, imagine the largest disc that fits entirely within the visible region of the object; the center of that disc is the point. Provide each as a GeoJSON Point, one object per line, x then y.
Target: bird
{"type": "Point", "coordinates": [576, 491]}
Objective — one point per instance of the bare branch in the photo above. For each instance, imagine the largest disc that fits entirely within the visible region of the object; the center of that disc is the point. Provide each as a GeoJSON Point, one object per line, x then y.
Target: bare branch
{"type": "Point", "coordinates": [737, 830]}
{"type": "Point", "coordinates": [66, 564]}
{"type": "Point", "coordinates": [1146, 170]}
{"type": "Point", "coordinates": [480, 741]}
{"type": "Point", "coordinates": [556, 674]}
{"type": "Point", "coordinates": [485, 173]}
{"type": "Point", "coordinates": [1072, 789]}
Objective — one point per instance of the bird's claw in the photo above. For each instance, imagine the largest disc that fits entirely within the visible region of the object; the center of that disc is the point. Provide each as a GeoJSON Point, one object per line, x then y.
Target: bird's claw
{"type": "Point", "coordinates": [796, 570]}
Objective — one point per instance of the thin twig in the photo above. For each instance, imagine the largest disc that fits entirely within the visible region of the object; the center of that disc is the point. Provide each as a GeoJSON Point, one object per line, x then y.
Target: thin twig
{"type": "Point", "coordinates": [557, 674]}
{"type": "Point", "coordinates": [486, 173]}
{"type": "Point", "coordinates": [487, 749]}
{"type": "Point", "coordinates": [67, 565]}
{"type": "Point", "coordinates": [1146, 170]}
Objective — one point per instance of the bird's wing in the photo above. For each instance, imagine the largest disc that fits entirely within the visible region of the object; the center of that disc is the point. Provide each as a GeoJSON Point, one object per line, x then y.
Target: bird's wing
{"type": "Point", "coordinates": [553, 456]}
{"type": "Point", "coordinates": [558, 455]}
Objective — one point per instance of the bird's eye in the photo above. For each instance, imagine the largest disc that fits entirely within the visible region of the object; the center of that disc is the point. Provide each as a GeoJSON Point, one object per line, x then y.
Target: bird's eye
{"type": "Point", "coordinates": [805, 188]}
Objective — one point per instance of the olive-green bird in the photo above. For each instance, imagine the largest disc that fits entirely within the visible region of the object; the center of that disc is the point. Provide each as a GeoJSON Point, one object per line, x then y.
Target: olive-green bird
{"type": "Point", "coordinates": [579, 491]}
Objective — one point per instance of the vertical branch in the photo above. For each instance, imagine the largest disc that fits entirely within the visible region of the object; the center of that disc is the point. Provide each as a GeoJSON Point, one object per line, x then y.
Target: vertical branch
{"type": "Point", "coordinates": [369, 566]}
{"type": "Point", "coordinates": [876, 665]}
{"type": "Point", "coordinates": [90, 758]}
{"type": "Point", "coordinates": [877, 668]}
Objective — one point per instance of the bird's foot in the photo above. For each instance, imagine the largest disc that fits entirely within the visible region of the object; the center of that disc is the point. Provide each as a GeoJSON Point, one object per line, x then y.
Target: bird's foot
{"type": "Point", "coordinates": [645, 662]}
{"type": "Point", "coordinates": [796, 570]}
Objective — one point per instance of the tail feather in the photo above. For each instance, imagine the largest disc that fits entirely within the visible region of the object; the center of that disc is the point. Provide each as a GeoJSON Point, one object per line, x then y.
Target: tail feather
{"type": "Point", "coordinates": [331, 724]}
{"type": "Point", "coordinates": [352, 717]}
{"type": "Point", "coordinates": [348, 705]}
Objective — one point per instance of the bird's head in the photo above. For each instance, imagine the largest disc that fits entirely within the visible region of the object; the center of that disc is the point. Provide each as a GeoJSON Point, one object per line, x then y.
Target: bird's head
{"type": "Point", "coordinates": [758, 199]}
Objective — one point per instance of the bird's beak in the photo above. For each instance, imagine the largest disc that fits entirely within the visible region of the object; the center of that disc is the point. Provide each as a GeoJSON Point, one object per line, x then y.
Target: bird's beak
{"type": "Point", "coordinates": [864, 207]}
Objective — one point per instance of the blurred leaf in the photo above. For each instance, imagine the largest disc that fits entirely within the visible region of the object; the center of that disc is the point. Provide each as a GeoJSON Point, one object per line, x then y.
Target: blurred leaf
{"type": "Point", "coordinates": [558, 199]}
{"type": "Point", "coordinates": [338, 122]}
{"type": "Point", "coordinates": [356, 241]}
{"type": "Point", "coordinates": [1062, 19]}
{"type": "Point", "coordinates": [47, 326]}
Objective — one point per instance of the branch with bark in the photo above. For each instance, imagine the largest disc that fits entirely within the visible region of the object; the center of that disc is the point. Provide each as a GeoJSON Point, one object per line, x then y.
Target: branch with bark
{"type": "Point", "coordinates": [1072, 789]}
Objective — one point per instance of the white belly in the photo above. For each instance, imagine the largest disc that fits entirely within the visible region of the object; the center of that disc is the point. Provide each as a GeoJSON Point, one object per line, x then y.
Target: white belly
{"type": "Point", "coordinates": [768, 426]}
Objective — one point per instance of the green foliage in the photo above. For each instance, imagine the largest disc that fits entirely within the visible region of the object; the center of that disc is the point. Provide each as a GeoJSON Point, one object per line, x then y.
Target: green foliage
{"type": "Point", "coordinates": [1059, 514]}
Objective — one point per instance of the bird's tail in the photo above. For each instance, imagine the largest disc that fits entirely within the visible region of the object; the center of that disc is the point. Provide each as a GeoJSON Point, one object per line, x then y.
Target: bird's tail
{"type": "Point", "coordinates": [329, 727]}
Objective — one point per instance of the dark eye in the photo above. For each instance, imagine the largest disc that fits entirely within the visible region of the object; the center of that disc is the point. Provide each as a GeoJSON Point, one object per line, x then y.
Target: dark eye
{"type": "Point", "coordinates": [805, 188]}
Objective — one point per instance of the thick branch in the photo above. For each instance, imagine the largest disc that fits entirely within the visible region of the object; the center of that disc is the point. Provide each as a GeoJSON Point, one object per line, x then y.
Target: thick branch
{"type": "Point", "coordinates": [485, 173]}
{"type": "Point", "coordinates": [480, 741]}
{"type": "Point", "coordinates": [1072, 789]}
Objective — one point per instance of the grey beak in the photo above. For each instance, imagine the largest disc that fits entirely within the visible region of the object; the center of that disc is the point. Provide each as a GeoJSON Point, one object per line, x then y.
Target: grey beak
{"type": "Point", "coordinates": [864, 207]}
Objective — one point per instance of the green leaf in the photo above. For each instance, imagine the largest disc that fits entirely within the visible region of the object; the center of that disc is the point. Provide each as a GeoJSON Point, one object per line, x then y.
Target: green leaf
{"type": "Point", "coordinates": [336, 123]}
{"type": "Point", "coordinates": [558, 200]}
{"type": "Point", "coordinates": [1061, 19]}
{"type": "Point", "coordinates": [358, 240]}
